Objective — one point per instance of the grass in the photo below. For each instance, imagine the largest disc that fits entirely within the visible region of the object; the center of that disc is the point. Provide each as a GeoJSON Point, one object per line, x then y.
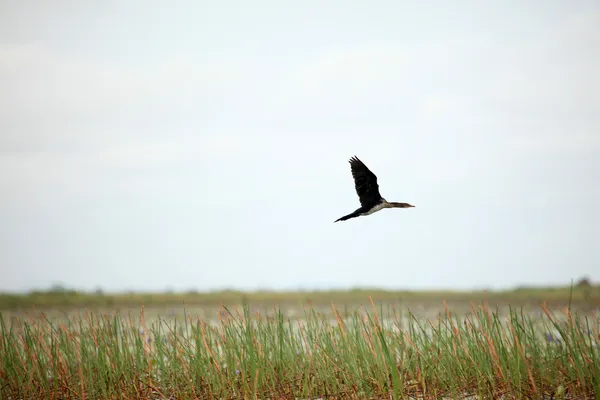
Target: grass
{"type": "Point", "coordinates": [370, 354]}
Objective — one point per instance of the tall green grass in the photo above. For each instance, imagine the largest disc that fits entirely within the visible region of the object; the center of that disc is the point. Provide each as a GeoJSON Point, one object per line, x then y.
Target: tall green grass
{"type": "Point", "coordinates": [370, 354]}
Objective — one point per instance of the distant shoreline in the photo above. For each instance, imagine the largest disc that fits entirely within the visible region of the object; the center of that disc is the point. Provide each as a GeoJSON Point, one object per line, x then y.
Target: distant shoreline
{"type": "Point", "coordinates": [588, 294]}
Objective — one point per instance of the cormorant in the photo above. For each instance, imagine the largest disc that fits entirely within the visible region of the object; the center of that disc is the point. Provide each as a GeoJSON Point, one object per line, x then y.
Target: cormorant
{"type": "Point", "coordinates": [365, 183]}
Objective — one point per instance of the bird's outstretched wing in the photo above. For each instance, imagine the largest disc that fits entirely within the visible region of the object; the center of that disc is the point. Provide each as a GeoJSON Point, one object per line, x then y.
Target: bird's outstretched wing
{"type": "Point", "coordinates": [365, 183]}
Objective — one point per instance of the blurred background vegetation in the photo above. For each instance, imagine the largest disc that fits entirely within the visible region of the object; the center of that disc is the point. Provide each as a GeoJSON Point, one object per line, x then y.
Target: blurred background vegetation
{"type": "Point", "coordinates": [583, 292]}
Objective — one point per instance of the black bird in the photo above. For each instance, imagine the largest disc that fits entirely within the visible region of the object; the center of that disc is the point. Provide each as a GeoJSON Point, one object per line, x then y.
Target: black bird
{"type": "Point", "coordinates": [367, 189]}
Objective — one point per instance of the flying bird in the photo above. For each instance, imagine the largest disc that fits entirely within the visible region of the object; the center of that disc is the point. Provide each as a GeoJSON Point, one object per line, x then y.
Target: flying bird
{"type": "Point", "coordinates": [365, 183]}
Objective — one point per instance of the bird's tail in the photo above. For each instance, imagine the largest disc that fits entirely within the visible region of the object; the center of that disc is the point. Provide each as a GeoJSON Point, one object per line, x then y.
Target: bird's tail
{"type": "Point", "coordinates": [345, 217]}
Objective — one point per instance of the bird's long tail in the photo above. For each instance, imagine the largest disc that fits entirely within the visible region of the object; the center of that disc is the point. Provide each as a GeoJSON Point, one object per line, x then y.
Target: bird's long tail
{"type": "Point", "coordinates": [345, 217]}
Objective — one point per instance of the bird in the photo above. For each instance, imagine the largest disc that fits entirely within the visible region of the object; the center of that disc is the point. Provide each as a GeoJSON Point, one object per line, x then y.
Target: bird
{"type": "Point", "coordinates": [365, 183]}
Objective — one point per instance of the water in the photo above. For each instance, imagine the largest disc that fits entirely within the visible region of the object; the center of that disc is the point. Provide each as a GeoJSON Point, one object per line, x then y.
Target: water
{"type": "Point", "coordinates": [394, 315]}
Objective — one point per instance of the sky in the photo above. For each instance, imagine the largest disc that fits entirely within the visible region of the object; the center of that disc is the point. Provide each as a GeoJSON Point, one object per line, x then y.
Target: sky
{"type": "Point", "coordinates": [204, 145]}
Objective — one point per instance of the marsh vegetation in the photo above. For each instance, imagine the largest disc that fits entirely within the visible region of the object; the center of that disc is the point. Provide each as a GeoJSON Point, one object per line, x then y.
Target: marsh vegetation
{"type": "Point", "coordinates": [375, 351]}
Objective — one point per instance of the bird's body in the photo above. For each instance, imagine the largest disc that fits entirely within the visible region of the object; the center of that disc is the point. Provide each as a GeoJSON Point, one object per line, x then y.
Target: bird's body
{"type": "Point", "coordinates": [365, 183]}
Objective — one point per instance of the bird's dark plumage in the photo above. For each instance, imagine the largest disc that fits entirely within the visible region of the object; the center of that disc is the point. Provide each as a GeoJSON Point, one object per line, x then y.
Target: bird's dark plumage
{"type": "Point", "coordinates": [367, 188]}
{"type": "Point", "coordinates": [365, 183]}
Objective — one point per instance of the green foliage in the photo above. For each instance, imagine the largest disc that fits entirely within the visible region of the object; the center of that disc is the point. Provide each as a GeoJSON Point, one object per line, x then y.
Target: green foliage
{"type": "Point", "coordinates": [373, 353]}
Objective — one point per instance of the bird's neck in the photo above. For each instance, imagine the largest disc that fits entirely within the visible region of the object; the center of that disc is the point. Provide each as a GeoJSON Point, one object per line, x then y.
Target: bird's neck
{"type": "Point", "coordinates": [398, 205]}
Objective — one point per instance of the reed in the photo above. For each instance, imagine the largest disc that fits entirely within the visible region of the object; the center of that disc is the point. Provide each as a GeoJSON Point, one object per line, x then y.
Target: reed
{"type": "Point", "coordinates": [372, 353]}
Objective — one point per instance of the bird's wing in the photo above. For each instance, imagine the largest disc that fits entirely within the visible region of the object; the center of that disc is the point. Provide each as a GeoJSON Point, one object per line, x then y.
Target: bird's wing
{"type": "Point", "coordinates": [365, 183]}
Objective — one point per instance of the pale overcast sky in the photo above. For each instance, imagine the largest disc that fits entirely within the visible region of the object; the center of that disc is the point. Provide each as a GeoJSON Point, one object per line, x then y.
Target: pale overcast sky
{"type": "Point", "coordinates": [204, 144]}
